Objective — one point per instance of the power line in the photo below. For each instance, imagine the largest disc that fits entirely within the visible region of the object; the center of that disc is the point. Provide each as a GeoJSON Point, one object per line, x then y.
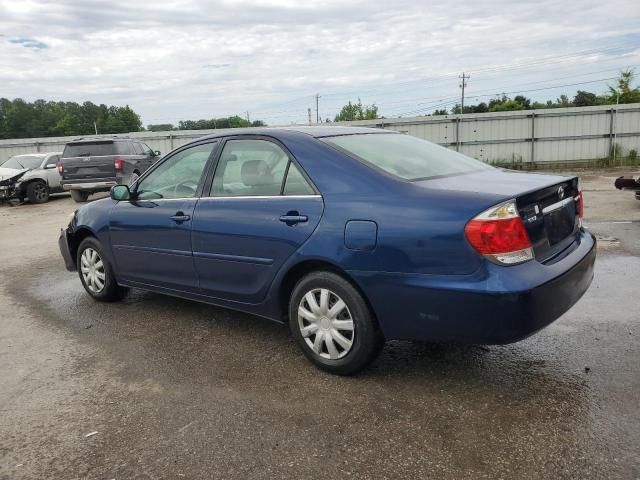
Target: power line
{"type": "Point", "coordinates": [516, 91]}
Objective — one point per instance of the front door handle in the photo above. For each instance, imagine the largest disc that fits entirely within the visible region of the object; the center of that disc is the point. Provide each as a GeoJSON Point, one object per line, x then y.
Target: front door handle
{"type": "Point", "coordinates": [292, 218]}
{"type": "Point", "coordinates": [180, 217]}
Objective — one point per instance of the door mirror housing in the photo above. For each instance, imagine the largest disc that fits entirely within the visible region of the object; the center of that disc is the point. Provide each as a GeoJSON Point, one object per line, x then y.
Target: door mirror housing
{"type": "Point", "coordinates": [156, 153]}
{"type": "Point", "coordinates": [120, 193]}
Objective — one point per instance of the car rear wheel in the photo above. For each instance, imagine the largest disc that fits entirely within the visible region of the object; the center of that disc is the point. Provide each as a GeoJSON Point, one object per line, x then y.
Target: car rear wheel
{"type": "Point", "coordinates": [79, 196]}
{"type": "Point", "coordinates": [333, 324]}
{"type": "Point", "coordinates": [38, 192]}
{"type": "Point", "coordinates": [96, 273]}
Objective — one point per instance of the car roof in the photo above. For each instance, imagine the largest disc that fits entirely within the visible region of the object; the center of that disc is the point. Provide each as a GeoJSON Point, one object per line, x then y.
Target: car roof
{"type": "Point", "coordinates": [80, 141]}
{"type": "Point", "coordinates": [319, 131]}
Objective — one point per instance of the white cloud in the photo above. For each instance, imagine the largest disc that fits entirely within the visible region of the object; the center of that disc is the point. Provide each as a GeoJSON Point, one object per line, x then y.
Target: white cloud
{"type": "Point", "coordinates": [190, 59]}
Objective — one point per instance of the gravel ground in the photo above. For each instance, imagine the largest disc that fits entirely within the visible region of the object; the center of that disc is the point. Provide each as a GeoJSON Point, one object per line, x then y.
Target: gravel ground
{"type": "Point", "coordinates": [176, 389]}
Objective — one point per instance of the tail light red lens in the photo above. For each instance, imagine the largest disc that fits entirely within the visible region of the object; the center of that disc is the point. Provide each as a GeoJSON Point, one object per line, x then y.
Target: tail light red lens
{"type": "Point", "coordinates": [500, 235]}
{"type": "Point", "coordinates": [118, 164]}
{"type": "Point", "coordinates": [60, 167]}
{"type": "Point", "coordinates": [580, 205]}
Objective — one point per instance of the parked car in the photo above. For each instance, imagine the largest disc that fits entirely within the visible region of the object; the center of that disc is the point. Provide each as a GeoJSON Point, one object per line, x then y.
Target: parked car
{"type": "Point", "coordinates": [96, 165]}
{"type": "Point", "coordinates": [353, 236]}
{"type": "Point", "coordinates": [33, 176]}
{"type": "Point", "coordinates": [629, 183]}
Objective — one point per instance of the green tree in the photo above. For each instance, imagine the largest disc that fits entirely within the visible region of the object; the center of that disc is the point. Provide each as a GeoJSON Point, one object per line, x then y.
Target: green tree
{"type": "Point", "coordinates": [623, 91]}
{"type": "Point", "coordinates": [357, 111]}
{"type": "Point", "coordinates": [585, 99]}
{"type": "Point", "coordinates": [160, 127]}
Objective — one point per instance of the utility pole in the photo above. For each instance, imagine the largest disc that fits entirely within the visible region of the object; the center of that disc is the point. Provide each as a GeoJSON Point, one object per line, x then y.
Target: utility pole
{"type": "Point", "coordinates": [615, 128]}
{"type": "Point", "coordinates": [95, 126]}
{"type": "Point", "coordinates": [248, 119]}
{"type": "Point", "coordinates": [317, 112]}
{"type": "Point", "coordinates": [463, 84]}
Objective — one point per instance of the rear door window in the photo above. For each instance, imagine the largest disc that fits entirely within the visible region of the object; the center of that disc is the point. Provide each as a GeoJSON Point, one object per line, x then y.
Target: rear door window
{"type": "Point", "coordinates": [125, 148]}
{"type": "Point", "coordinates": [138, 148]}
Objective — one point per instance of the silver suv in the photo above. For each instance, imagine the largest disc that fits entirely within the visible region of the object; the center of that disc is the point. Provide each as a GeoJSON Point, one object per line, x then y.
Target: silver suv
{"type": "Point", "coordinates": [96, 165]}
{"type": "Point", "coordinates": [33, 176]}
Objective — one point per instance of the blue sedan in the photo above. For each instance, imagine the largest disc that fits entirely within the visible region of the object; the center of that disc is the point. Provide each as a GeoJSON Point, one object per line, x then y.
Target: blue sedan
{"type": "Point", "coordinates": [352, 236]}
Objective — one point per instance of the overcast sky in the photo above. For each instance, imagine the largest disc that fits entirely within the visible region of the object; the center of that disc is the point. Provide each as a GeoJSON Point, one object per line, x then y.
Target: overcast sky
{"type": "Point", "coordinates": [189, 59]}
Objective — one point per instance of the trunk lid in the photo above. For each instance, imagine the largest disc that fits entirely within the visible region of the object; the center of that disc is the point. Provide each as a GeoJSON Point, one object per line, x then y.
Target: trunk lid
{"type": "Point", "coordinates": [548, 204]}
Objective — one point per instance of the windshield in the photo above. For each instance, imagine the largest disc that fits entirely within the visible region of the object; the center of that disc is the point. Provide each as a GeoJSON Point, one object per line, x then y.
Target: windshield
{"type": "Point", "coordinates": [89, 149]}
{"type": "Point", "coordinates": [406, 157]}
{"type": "Point", "coordinates": [23, 161]}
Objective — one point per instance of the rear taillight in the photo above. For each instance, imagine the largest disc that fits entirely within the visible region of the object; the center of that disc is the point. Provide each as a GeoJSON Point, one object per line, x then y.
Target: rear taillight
{"type": "Point", "coordinates": [60, 167]}
{"type": "Point", "coordinates": [117, 163]}
{"type": "Point", "coordinates": [500, 235]}
{"type": "Point", "coordinates": [579, 200]}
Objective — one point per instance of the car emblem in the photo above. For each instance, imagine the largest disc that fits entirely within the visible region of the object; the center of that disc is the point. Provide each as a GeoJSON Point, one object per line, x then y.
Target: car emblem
{"type": "Point", "coordinates": [561, 193]}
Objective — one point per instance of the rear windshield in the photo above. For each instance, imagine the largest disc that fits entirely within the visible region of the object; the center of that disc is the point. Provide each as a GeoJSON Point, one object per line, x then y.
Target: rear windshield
{"type": "Point", "coordinates": [89, 149]}
{"type": "Point", "coordinates": [23, 161]}
{"type": "Point", "coordinates": [406, 157]}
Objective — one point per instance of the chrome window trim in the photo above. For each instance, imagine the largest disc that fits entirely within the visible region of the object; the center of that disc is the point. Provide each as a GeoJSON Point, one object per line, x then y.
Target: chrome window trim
{"type": "Point", "coordinates": [557, 205]}
{"type": "Point", "coordinates": [246, 197]}
{"type": "Point", "coordinates": [260, 197]}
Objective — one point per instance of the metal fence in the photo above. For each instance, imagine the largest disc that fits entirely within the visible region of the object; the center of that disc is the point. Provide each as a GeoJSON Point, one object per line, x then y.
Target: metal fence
{"type": "Point", "coordinates": [581, 134]}
{"type": "Point", "coordinates": [541, 137]}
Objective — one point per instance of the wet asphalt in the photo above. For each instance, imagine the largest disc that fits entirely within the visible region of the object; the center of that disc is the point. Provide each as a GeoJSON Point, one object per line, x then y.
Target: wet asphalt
{"type": "Point", "coordinates": [177, 389]}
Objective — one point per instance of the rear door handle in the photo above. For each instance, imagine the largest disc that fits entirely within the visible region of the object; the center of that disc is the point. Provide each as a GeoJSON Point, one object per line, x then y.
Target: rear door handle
{"type": "Point", "coordinates": [292, 219]}
{"type": "Point", "coordinates": [180, 217]}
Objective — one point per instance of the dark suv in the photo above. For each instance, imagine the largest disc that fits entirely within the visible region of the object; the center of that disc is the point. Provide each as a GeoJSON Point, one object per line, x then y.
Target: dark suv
{"type": "Point", "coordinates": [96, 165]}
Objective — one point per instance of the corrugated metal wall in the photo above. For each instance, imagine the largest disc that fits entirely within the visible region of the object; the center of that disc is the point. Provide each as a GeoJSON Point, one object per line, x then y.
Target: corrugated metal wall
{"type": "Point", "coordinates": [554, 135]}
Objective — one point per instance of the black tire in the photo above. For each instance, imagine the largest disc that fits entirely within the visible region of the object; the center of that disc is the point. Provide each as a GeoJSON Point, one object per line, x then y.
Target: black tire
{"type": "Point", "coordinates": [366, 338]}
{"type": "Point", "coordinates": [79, 196]}
{"type": "Point", "coordinates": [111, 291]}
{"type": "Point", "coordinates": [38, 192]}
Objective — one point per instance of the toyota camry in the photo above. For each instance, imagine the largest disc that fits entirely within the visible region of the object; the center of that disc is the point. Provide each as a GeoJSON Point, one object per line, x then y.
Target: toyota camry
{"type": "Point", "coordinates": [352, 236]}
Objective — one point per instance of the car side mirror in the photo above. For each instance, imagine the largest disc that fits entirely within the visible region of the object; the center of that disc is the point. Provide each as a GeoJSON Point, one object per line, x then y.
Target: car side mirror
{"type": "Point", "coordinates": [120, 193]}
{"type": "Point", "coordinates": [157, 153]}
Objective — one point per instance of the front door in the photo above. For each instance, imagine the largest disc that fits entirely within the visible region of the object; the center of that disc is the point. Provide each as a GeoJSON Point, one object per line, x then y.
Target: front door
{"type": "Point", "coordinates": [151, 234]}
{"type": "Point", "coordinates": [259, 211]}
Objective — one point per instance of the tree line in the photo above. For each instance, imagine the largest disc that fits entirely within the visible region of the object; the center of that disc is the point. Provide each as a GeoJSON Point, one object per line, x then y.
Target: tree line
{"type": "Point", "coordinates": [41, 118]}
{"type": "Point", "coordinates": [234, 121]}
{"type": "Point", "coordinates": [621, 92]}
{"type": "Point", "coordinates": [21, 119]}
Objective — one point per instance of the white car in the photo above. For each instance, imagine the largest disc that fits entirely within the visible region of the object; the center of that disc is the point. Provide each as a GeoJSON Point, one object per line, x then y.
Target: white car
{"type": "Point", "coordinates": [34, 176]}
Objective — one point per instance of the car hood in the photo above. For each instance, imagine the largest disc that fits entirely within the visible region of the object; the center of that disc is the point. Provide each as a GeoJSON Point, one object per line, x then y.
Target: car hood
{"type": "Point", "coordinates": [11, 173]}
{"type": "Point", "coordinates": [496, 182]}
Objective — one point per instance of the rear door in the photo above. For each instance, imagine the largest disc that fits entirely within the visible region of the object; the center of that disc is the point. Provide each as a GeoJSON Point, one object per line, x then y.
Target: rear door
{"type": "Point", "coordinates": [151, 234]}
{"type": "Point", "coordinates": [88, 161]}
{"type": "Point", "coordinates": [259, 210]}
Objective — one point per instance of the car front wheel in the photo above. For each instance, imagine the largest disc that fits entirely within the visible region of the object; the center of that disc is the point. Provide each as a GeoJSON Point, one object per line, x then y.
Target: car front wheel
{"type": "Point", "coordinates": [38, 192]}
{"type": "Point", "coordinates": [96, 273]}
{"type": "Point", "coordinates": [333, 324]}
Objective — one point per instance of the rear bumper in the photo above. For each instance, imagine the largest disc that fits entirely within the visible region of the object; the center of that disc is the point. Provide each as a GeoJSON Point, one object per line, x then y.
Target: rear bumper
{"type": "Point", "coordinates": [92, 186]}
{"type": "Point", "coordinates": [479, 308]}
{"type": "Point", "coordinates": [65, 250]}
